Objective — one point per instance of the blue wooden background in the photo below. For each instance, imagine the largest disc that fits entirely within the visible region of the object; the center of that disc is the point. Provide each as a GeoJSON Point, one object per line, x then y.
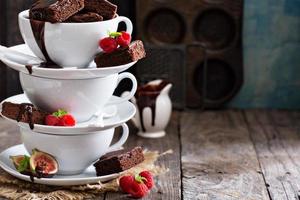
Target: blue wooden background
{"type": "Point", "coordinates": [271, 38]}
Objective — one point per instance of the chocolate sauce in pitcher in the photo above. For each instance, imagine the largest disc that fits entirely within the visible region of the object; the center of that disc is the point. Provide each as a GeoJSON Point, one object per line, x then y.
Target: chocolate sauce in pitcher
{"type": "Point", "coordinates": [146, 97]}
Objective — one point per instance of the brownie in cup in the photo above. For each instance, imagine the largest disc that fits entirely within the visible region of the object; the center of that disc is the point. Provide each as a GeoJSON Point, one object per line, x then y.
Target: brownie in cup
{"type": "Point", "coordinates": [85, 17]}
{"type": "Point", "coordinates": [55, 11]}
{"type": "Point", "coordinates": [104, 8]}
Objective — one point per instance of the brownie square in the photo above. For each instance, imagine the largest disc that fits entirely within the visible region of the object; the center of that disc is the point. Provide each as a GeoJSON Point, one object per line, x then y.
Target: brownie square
{"type": "Point", "coordinates": [103, 7]}
{"type": "Point", "coordinates": [13, 111]}
{"type": "Point", "coordinates": [85, 17]}
{"type": "Point", "coordinates": [134, 52]}
{"type": "Point", "coordinates": [55, 11]}
{"type": "Point", "coordinates": [119, 161]}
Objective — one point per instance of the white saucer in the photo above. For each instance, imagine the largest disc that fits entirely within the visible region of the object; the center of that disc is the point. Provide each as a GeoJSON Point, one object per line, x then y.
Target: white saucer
{"type": "Point", "coordinates": [87, 177]}
{"type": "Point", "coordinates": [85, 73]}
{"type": "Point", "coordinates": [125, 111]}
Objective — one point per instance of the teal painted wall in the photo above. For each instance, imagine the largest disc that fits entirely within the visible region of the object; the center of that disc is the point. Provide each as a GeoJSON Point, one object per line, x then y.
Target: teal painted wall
{"type": "Point", "coordinates": [271, 39]}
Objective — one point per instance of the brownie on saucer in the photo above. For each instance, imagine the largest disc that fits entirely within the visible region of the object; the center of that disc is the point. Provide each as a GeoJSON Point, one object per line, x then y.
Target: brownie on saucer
{"type": "Point", "coordinates": [134, 52]}
{"type": "Point", "coordinates": [55, 10]}
{"type": "Point", "coordinates": [103, 7]}
{"type": "Point", "coordinates": [85, 17]}
{"type": "Point", "coordinates": [119, 161]}
{"type": "Point", "coordinates": [26, 113]}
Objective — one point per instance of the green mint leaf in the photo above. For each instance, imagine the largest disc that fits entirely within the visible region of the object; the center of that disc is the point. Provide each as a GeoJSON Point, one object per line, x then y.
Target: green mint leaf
{"type": "Point", "coordinates": [24, 164]}
{"type": "Point", "coordinates": [115, 34]}
{"type": "Point", "coordinates": [60, 113]}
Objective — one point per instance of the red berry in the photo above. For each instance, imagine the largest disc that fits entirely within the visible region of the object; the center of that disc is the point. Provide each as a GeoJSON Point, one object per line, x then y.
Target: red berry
{"type": "Point", "coordinates": [124, 39]}
{"type": "Point", "coordinates": [67, 120]}
{"type": "Point", "coordinates": [138, 189]}
{"type": "Point", "coordinates": [125, 183]}
{"type": "Point", "coordinates": [51, 120]}
{"type": "Point", "coordinates": [108, 44]}
{"type": "Point", "coordinates": [149, 182]}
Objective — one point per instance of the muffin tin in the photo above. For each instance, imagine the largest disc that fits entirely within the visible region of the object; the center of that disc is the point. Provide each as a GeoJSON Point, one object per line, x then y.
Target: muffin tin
{"type": "Point", "coordinates": [213, 26]}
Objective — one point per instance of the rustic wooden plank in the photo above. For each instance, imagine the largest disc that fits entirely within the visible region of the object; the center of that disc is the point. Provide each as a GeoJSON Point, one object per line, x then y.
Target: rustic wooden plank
{"type": "Point", "coordinates": [218, 158]}
{"type": "Point", "coordinates": [277, 143]}
{"type": "Point", "coordinates": [168, 186]}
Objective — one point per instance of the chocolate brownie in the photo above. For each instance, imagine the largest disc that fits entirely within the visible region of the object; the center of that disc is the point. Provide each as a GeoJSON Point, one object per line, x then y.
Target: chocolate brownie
{"type": "Point", "coordinates": [85, 17]}
{"type": "Point", "coordinates": [104, 8]}
{"type": "Point", "coordinates": [55, 10]}
{"type": "Point", "coordinates": [26, 113]}
{"type": "Point", "coordinates": [119, 161]}
{"type": "Point", "coordinates": [134, 52]}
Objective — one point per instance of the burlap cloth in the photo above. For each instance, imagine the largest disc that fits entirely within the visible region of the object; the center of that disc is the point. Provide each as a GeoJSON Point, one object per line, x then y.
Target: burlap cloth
{"type": "Point", "coordinates": [12, 188]}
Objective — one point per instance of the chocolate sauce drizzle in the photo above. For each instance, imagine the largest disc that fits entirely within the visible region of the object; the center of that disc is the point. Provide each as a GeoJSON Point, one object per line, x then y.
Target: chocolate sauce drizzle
{"type": "Point", "coordinates": [26, 109]}
{"type": "Point", "coordinates": [31, 178]}
{"type": "Point", "coordinates": [146, 97]}
{"type": "Point", "coordinates": [38, 29]}
{"type": "Point", "coordinates": [29, 68]}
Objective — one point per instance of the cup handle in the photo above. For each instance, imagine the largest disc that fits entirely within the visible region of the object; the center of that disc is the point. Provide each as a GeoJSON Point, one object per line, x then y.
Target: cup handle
{"type": "Point", "coordinates": [127, 21]}
{"type": "Point", "coordinates": [122, 140]}
{"type": "Point", "coordinates": [130, 94]}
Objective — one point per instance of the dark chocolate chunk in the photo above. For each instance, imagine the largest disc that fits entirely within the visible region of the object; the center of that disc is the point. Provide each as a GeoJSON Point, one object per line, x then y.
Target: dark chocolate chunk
{"type": "Point", "coordinates": [134, 52]}
{"type": "Point", "coordinates": [55, 10]}
{"type": "Point", "coordinates": [104, 8]}
{"type": "Point", "coordinates": [85, 17]}
{"type": "Point", "coordinates": [119, 161]}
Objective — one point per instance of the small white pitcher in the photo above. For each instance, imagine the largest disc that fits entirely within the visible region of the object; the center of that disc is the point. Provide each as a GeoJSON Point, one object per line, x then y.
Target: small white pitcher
{"type": "Point", "coordinates": [153, 109]}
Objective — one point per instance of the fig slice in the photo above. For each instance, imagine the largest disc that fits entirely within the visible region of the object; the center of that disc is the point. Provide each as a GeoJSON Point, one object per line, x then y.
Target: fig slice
{"type": "Point", "coordinates": [21, 163]}
{"type": "Point", "coordinates": [43, 164]}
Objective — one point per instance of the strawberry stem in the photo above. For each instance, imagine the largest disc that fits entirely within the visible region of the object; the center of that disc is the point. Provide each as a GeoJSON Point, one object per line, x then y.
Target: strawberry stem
{"type": "Point", "coordinates": [115, 34]}
{"type": "Point", "coordinates": [139, 178]}
{"type": "Point", "coordinates": [60, 113]}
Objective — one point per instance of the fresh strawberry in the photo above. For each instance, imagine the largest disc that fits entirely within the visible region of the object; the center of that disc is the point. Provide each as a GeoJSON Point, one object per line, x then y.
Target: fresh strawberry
{"type": "Point", "coordinates": [51, 120]}
{"type": "Point", "coordinates": [124, 39]}
{"type": "Point", "coordinates": [67, 120]}
{"type": "Point", "coordinates": [138, 189]}
{"type": "Point", "coordinates": [125, 183]}
{"type": "Point", "coordinates": [60, 118]}
{"type": "Point", "coordinates": [149, 182]}
{"type": "Point", "coordinates": [108, 44]}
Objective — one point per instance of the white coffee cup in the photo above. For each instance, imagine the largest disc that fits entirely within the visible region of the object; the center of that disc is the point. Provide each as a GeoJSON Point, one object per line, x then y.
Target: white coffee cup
{"type": "Point", "coordinates": [80, 97]}
{"type": "Point", "coordinates": [70, 44]}
{"type": "Point", "coordinates": [74, 153]}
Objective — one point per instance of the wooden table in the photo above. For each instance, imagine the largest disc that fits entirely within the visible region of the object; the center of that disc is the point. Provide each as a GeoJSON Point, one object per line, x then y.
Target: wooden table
{"type": "Point", "coordinates": [220, 155]}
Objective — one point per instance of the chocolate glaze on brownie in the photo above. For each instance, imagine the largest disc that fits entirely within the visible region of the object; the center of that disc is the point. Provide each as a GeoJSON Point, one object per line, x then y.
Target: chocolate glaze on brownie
{"type": "Point", "coordinates": [134, 52]}
{"type": "Point", "coordinates": [55, 10]}
{"type": "Point", "coordinates": [104, 8]}
{"type": "Point", "coordinates": [119, 161]}
{"type": "Point", "coordinates": [85, 17]}
{"type": "Point", "coordinates": [25, 112]}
